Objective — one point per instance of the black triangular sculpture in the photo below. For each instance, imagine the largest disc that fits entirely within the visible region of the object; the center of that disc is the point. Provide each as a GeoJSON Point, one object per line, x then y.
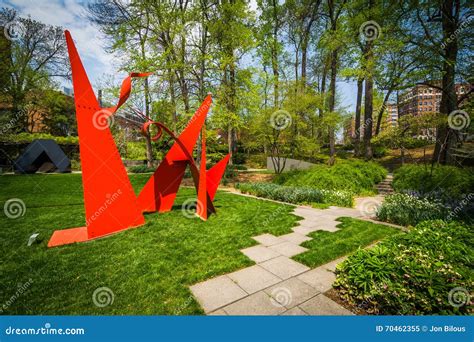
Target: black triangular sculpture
{"type": "Point", "coordinates": [40, 152]}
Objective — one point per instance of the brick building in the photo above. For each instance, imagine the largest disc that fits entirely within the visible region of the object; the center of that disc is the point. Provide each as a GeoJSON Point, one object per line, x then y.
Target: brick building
{"type": "Point", "coordinates": [422, 98]}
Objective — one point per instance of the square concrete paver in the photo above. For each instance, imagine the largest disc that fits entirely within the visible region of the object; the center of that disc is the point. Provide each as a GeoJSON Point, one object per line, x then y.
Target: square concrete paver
{"type": "Point", "coordinates": [257, 304]}
{"type": "Point", "coordinates": [309, 222]}
{"type": "Point", "coordinates": [295, 238]}
{"type": "Point", "coordinates": [321, 305]}
{"type": "Point", "coordinates": [288, 249]}
{"type": "Point", "coordinates": [254, 278]}
{"type": "Point", "coordinates": [217, 292]}
{"type": "Point", "coordinates": [284, 267]}
{"type": "Point", "coordinates": [268, 239]}
{"type": "Point", "coordinates": [331, 266]}
{"type": "Point", "coordinates": [320, 278]}
{"type": "Point", "coordinates": [291, 292]}
{"type": "Point", "coordinates": [296, 311]}
{"type": "Point", "coordinates": [308, 212]}
{"type": "Point", "coordinates": [259, 253]}
{"type": "Point", "coordinates": [304, 230]}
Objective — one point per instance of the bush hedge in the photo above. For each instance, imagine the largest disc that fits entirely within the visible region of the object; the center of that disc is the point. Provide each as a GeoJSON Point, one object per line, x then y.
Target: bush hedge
{"type": "Point", "coordinates": [141, 169]}
{"type": "Point", "coordinates": [29, 137]}
{"type": "Point", "coordinates": [405, 209]}
{"type": "Point", "coordinates": [297, 195]}
{"type": "Point", "coordinates": [356, 176]}
{"type": "Point", "coordinates": [446, 181]}
{"type": "Point", "coordinates": [420, 272]}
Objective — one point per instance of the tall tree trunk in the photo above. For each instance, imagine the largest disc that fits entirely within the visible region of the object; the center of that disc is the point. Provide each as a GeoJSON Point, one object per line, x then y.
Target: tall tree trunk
{"type": "Point", "coordinates": [276, 75]}
{"type": "Point", "coordinates": [368, 103]}
{"type": "Point", "coordinates": [360, 83]}
{"type": "Point", "coordinates": [149, 147]}
{"type": "Point", "coordinates": [171, 81]}
{"type": "Point", "coordinates": [447, 138]}
{"type": "Point", "coordinates": [146, 90]}
{"type": "Point", "coordinates": [380, 114]}
{"type": "Point", "coordinates": [323, 88]}
{"type": "Point", "coordinates": [304, 57]}
{"type": "Point", "coordinates": [332, 105]}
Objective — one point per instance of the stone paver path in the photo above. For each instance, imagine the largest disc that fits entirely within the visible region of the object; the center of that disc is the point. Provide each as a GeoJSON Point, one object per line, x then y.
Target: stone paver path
{"type": "Point", "coordinates": [278, 285]}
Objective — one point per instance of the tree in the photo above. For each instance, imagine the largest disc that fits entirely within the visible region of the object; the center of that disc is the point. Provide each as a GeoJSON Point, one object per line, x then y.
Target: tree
{"type": "Point", "coordinates": [439, 32]}
{"type": "Point", "coordinates": [232, 31]}
{"type": "Point", "coordinates": [36, 56]}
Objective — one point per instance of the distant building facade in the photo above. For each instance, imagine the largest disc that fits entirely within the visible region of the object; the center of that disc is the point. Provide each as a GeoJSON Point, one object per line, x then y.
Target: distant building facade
{"type": "Point", "coordinates": [392, 114]}
{"type": "Point", "coordinates": [422, 98]}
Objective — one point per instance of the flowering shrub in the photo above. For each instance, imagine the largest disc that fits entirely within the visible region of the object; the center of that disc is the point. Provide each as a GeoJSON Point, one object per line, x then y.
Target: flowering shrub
{"type": "Point", "coordinates": [419, 272]}
{"type": "Point", "coordinates": [297, 195]}
{"type": "Point", "coordinates": [405, 209]}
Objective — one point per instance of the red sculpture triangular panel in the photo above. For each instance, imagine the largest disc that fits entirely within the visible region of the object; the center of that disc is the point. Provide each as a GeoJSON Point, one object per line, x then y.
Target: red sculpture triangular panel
{"type": "Point", "coordinates": [109, 200]}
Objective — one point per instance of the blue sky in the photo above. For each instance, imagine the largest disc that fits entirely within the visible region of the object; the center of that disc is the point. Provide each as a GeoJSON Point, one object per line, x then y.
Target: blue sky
{"type": "Point", "coordinates": [90, 42]}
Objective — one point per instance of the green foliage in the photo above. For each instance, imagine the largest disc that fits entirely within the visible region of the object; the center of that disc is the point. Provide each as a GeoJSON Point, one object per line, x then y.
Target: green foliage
{"type": "Point", "coordinates": [29, 137]}
{"type": "Point", "coordinates": [451, 180]}
{"type": "Point", "coordinates": [141, 169]}
{"type": "Point", "coordinates": [297, 195]}
{"type": "Point", "coordinates": [257, 161]}
{"type": "Point", "coordinates": [411, 273]}
{"type": "Point", "coordinates": [405, 209]}
{"type": "Point", "coordinates": [355, 176]}
{"type": "Point", "coordinates": [135, 151]}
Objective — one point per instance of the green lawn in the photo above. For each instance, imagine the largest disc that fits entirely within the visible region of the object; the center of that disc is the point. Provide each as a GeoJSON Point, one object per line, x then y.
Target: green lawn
{"type": "Point", "coordinates": [353, 234]}
{"type": "Point", "coordinates": [148, 269]}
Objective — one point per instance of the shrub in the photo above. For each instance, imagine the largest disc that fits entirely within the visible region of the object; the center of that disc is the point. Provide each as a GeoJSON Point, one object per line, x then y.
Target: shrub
{"type": "Point", "coordinates": [448, 181]}
{"type": "Point", "coordinates": [410, 273]}
{"type": "Point", "coordinates": [29, 137]}
{"type": "Point", "coordinates": [256, 161]}
{"type": "Point", "coordinates": [297, 195]}
{"type": "Point", "coordinates": [141, 169]}
{"type": "Point", "coordinates": [407, 210]}
{"type": "Point", "coordinates": [355, 176]}
{"type": "Point", "coordinates": [240, 167]}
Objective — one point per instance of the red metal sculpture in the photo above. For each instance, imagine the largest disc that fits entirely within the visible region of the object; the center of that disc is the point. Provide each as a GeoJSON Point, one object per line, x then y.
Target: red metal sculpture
{"type": "Point", "coordinates": [110, 202]}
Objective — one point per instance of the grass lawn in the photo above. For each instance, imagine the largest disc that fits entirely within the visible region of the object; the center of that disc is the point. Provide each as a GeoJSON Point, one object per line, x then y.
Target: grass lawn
{"type": "Point", "coordinates": [148, 269]}
{"type": "Point", "coordinates": [353, 234]}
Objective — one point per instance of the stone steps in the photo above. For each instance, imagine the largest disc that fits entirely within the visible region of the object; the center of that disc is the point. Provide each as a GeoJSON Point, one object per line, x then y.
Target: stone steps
{"type": "Point", "coordinates": [385, 186]}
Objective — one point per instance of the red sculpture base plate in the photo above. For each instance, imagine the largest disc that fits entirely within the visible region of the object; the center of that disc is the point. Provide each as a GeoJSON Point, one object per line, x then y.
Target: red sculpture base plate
{"type": "Point", "coordinates": [73, 235]}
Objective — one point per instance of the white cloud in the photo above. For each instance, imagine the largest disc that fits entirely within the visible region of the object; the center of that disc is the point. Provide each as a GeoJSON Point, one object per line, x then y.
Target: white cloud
{"type": "Point", "coordinates": [71, 15]}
